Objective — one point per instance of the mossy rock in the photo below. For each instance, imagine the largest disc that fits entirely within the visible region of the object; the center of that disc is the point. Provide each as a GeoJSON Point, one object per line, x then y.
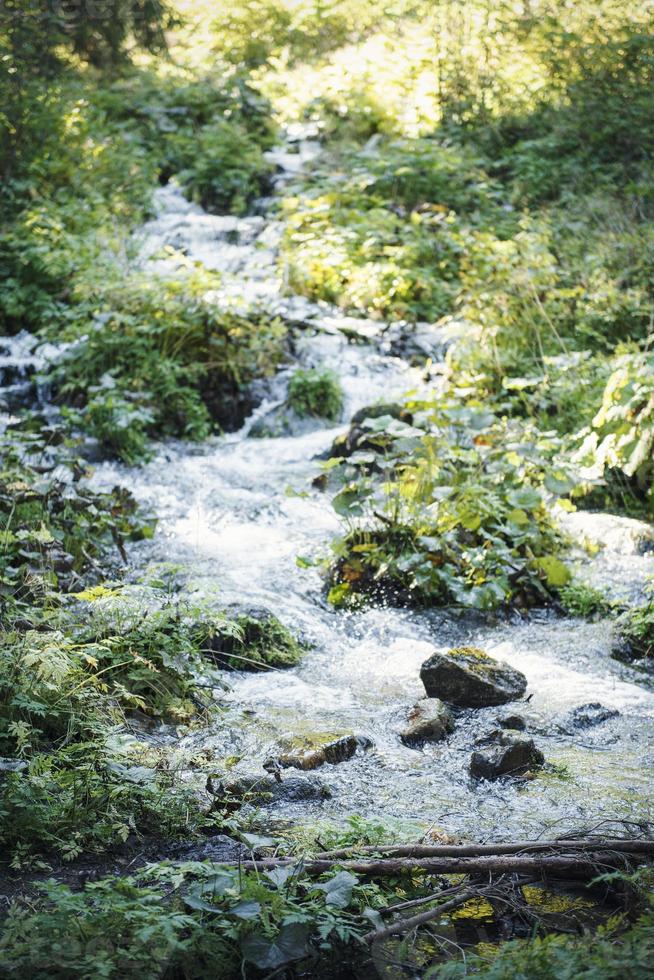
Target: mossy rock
{"type": "Point", "coordinates": [468, 678]}
{"type": "Point", "coordinates": [315, 750]}
{"type": "Point", "coordinates": [428, 721]}
{"type": "Point", "coordinates": [260, 641]}
{"type": "Point", "coordinates": [508, 756]}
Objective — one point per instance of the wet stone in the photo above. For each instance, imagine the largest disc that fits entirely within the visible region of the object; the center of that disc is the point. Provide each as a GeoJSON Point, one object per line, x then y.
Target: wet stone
{"type": "Point", "coordinates": [589, 715]}
{"type": "Point", "coordinates": [429, 721]}
{"type": "Point", "coordinates": [313, 752]}
{"type": "Point", "coordinates": [508, 755]}
{"type": "Point", "coordinates": [260, 790]}
{"type": "Point", "coordinates": [218, 849]}
{"type": "Point", "coordinates": [468, 678]}
{"type": "Point", "coordinates": [514, 722]}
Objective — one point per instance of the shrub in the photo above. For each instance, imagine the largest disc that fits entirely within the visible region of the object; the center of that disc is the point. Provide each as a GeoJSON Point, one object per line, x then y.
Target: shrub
{"type": "Point", "coordinates": [316, 392]}
{"type": "Point", "coordinates": [621, 435]}
{"type": "Point", "coordinates": [579, 599]}
{"type": "Point", "coordinates": [162, 360]}
{"type": "Point", "coordinates": [450, 509]}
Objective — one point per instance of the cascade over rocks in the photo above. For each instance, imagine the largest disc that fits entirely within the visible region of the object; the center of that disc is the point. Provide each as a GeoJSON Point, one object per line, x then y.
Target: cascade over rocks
{"type": "Point", "coordinates": [507, 755]}
{"type": "Point", "coordinates": [468, 678]}
{"type": "Point", "coordinates": [429, 721]}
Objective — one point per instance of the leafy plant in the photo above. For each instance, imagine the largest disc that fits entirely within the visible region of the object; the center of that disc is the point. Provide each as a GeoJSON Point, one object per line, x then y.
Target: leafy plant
{"type": "Point", "coordinates": [621, 435]}
{"type": "Point", "coordinates": [579, 599]}
{"type": "Point", "coordinates": [453, 508]}
{"type": "Point", "coordinates": [316, 392]}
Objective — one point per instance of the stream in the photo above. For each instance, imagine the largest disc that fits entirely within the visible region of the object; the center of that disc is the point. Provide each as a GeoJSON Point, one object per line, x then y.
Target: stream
{"type": "Point", "coordinates": [236, 511]}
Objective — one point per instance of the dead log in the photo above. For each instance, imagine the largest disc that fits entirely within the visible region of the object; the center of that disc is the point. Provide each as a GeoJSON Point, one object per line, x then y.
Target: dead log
{"type": "Point", "coordinates": [620, 844]}
{"type": "Point", "coordinates": [583, 864]}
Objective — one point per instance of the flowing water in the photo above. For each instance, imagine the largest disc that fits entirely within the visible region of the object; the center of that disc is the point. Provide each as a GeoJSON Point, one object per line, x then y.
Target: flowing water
{"type": "Point", "coordinates": [238, 510]}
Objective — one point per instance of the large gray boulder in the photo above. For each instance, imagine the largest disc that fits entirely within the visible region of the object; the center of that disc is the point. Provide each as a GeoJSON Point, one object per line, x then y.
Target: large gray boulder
{"type": "Point", "coordinates": [468, 678]}
{"type": "Point", "coordinates": [428, 721]}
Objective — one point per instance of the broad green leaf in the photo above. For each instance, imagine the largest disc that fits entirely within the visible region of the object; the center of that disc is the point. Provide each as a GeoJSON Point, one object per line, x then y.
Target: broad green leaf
{"type": "Point", "coordinates": [338, 890]}
{"type": "Point", "coordinates": [525, 498]}
{"type": "Point", "coordinates": [349, 503]}
{"type": "Point", "coordinates": [279, 876]}
{"type": "Point", "coordinates": [246, 910]}
{"type": "Point", "coordinates": [556, 573]}
{"type": "Point", "coordinates": [290, 945]}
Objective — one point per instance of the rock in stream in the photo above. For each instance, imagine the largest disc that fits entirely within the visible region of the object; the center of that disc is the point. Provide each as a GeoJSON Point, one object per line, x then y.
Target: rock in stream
{"type": "Point", "coordinates": [429, 721]}
{"type": "Point", "coordinates": [507, 755]}
{"type": "Point", "coordinates": [468, 678]}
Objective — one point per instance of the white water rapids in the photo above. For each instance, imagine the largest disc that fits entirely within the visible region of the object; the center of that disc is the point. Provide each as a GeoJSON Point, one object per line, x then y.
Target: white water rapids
{"type": "Point", "coordinates": [237, 511]}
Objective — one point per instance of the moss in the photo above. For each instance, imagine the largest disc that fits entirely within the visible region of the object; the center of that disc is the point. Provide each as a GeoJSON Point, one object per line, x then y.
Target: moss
{"type": "Point", "coordinates": [544, 900]}
{"type": "Point", "coordinates": [469, 653]}
{"type": "Point", "coordinates": [258, 642]}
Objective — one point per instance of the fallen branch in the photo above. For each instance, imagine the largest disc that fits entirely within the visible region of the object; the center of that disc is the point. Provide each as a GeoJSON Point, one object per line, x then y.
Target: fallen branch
{"type": "Point", "coordinates": [636, 846]}
{"type": "Point", "coordinates": [405, 925]}
{"type": "Point", "coordinates": [586, 864]}
{"type": "Point", "coordinates": [425, 900]}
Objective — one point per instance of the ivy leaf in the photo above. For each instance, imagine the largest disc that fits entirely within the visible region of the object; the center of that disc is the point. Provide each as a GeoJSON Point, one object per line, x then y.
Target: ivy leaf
{"type": "Point", "coordinates": [338, 890]}
{"type": "Point", "coordinates": [290, 945]}
{"type": "Point", "coordinates": [246, 910]}
{"type": "Point", "coordinates": [556, 573]}
{"type": "Point", "coordinates": [526, 498]}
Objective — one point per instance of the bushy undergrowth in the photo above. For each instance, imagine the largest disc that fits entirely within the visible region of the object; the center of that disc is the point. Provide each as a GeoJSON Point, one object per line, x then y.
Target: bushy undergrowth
{"type": "Point", "coordinates": [316, 392]}
{"type": "Point", "coordinates": [80, 657]}
{"type": "Point", "coordinates": [189, 919]}
{"type": "Point", "coordinates": [452, 508]}
{"type": "Point", "coordinates": [605, 956]}
{"type": "Point", "coordinates": [89, 181]}
{"type": "Point", "coordinates": [635, 631]}
{"type": "Point", "coordinates": [160, 359]}
{"type": "Point", "coordinates": [383, 235]}
{"type": "Point", "coordinates": [621, 435]}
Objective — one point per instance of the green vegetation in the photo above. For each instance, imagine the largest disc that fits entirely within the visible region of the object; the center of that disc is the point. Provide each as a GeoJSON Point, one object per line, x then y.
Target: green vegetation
{"type": "Point", "coordinates": [184, 919]}
{"type": "Point", "coordinates": [505, 223]}
{"type": "Point", "coordinates": [256, 640]}
{"type": "Point", "coordinates": [316, 392]}
{"type": "Point", "coordinates": [579, 599]}
{"type": "Point", "coordinates": [604, 956]}
{"type": "Point", "coordinates": [450, 509]}
{"type": "Point", "coordinates": [162, 360]}
{"type": "Point", "coordinates": [384, 233]}
{"type": "Point", "coordinates": [635, 631]}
